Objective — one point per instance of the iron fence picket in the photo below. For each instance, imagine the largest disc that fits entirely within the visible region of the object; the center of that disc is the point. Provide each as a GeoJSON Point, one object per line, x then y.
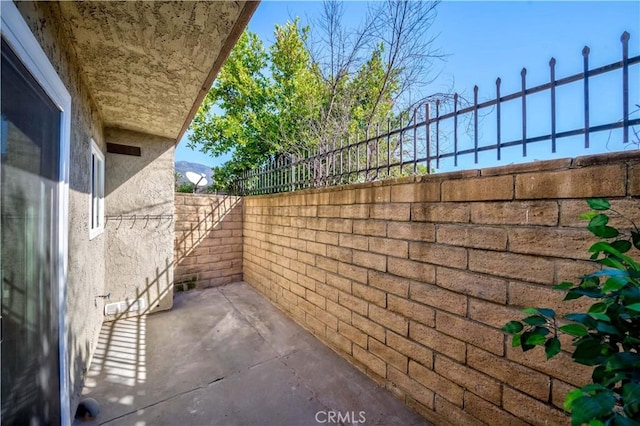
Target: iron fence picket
{"type": "Point", "coordinates": [625, 85]}
{"type": "Point", "coordinates": [552, 67]}
{"type": "Point", "coordinates": [415, 141]}
{"type": "Point", "coordinates": [523, 77]}
{"type": "Point", "coordinates": [498, 130]}
{"type": "Point", "coordinates": [455, 129]}
{"type": "Point", "coordinates": [585, 55]}
{"type": "Point", "coordinates": [427, 114]}
{"type": "Point", "coordinates": [438, 134]}
{"type": "Point", "coordinates": [475, 124]}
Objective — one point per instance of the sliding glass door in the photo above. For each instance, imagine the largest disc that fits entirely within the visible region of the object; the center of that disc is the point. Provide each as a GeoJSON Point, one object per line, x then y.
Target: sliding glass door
{"type": "Point", "coordinates": [29, 176]}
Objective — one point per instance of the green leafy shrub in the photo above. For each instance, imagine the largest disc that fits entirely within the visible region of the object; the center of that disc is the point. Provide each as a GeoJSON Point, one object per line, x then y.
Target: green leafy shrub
{"type": "Point", "coordinates": [186, 187]}
{"type": "Point", "coordinates": [607, 336]}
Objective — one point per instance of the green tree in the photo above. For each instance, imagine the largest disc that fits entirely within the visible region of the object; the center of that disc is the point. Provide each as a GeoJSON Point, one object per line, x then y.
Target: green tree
{"type": "Point", "coordinates": [261, 102]}
{"type": "Point", "coordinates": [182, 187]}
{"type": "Point", "coordinates": [242, 94]}
{"type": "Point", "coordinates": [185, 187]}
{"type": "Point", "coordinates": [306, 94]}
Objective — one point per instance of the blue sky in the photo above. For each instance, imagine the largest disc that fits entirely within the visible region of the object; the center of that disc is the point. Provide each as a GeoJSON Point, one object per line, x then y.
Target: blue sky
{"type": "Point", "coordinates": [485, 40]}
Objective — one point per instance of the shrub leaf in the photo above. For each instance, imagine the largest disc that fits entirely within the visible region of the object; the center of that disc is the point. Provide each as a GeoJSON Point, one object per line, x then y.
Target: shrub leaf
{"type": "Point", "coordinates": [598, 221]}
{"type": "Point", "coordinates": [566, 285]}
{"type": "Point", "coordinates": [576, 330]}
{"type": "Point", "coordinates": [587, 408]}
{"type": "Point", "coordinates": [599, 204]}
{"type": "Point", "coordinates": [535, 320]}
{"type": "Point", "coordinates": [552, 347]}
{"type": "Point", "coordinates": [634, 307]}
{"type": "Point", "coordinates": [512, 327]}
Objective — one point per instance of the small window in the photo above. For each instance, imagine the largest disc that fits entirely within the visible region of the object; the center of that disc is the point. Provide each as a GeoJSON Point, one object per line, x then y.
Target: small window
{"type": "Point", "coordinates": [96, 225]}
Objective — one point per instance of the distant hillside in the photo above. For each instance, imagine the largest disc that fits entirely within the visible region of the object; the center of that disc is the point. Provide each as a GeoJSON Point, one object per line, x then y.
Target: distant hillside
{"type": "Point", "coordinates": [183, 167]}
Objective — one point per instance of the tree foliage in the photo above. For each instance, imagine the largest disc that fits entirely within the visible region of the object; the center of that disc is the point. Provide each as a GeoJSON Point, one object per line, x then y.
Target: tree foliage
{"type": "Point", "coordinates": [312, 91]}
{"type": "Point", "coordinates": [182, 186]}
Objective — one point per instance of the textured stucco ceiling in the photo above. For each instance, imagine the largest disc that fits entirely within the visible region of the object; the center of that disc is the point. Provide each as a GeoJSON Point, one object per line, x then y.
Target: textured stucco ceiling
{"type": "Point", "coordinates": [148, 63]}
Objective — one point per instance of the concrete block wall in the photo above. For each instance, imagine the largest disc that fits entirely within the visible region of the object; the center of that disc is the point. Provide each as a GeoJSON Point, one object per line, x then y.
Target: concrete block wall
{"type": "Point", "coordinates": [208, 240]}
{"type": "Point", "coordinates": [411, 279]}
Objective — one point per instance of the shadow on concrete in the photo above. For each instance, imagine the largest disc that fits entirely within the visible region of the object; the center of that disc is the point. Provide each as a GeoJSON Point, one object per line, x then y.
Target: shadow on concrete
{"type": "Point", "coordinates": [225, 355]}
{"type": "Point", "coordinates": [120, 354]}
{"type": "Point", "coordinates": [159, 285]}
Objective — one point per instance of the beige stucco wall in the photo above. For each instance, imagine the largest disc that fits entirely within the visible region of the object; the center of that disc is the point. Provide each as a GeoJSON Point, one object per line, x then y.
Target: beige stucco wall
{"type": "Point", "coordinates": [140, 252]}
{"type": "Point", "coordinates": [86, 257]}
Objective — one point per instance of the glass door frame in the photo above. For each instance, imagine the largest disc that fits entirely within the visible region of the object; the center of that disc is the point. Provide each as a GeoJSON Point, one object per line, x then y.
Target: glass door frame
{"type": "Point", "coordinates": [17, 34]}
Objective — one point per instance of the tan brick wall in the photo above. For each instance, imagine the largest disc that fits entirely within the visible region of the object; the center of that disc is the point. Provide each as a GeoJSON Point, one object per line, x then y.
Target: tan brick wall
{"type": "Point", "coordinates": [411, 279]}
{"type": "Point", "coordinates": [208, 240]}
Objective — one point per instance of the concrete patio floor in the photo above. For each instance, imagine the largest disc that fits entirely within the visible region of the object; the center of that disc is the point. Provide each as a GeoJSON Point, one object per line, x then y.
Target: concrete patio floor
{"type": "Point", "coordinates": [226, 356]}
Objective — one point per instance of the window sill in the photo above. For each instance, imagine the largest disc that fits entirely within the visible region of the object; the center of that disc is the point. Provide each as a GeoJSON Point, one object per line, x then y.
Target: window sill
{"type": "Point", "coordinates": [93, 233]}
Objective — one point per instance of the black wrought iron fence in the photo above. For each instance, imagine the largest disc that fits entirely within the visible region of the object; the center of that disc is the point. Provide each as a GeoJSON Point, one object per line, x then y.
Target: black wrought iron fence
{"type": "Point", "coordinates": [420, 146]}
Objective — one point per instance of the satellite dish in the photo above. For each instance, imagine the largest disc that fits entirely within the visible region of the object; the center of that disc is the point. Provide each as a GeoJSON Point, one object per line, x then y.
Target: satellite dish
{"type": "Point", "coordinates": [197, 179]}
